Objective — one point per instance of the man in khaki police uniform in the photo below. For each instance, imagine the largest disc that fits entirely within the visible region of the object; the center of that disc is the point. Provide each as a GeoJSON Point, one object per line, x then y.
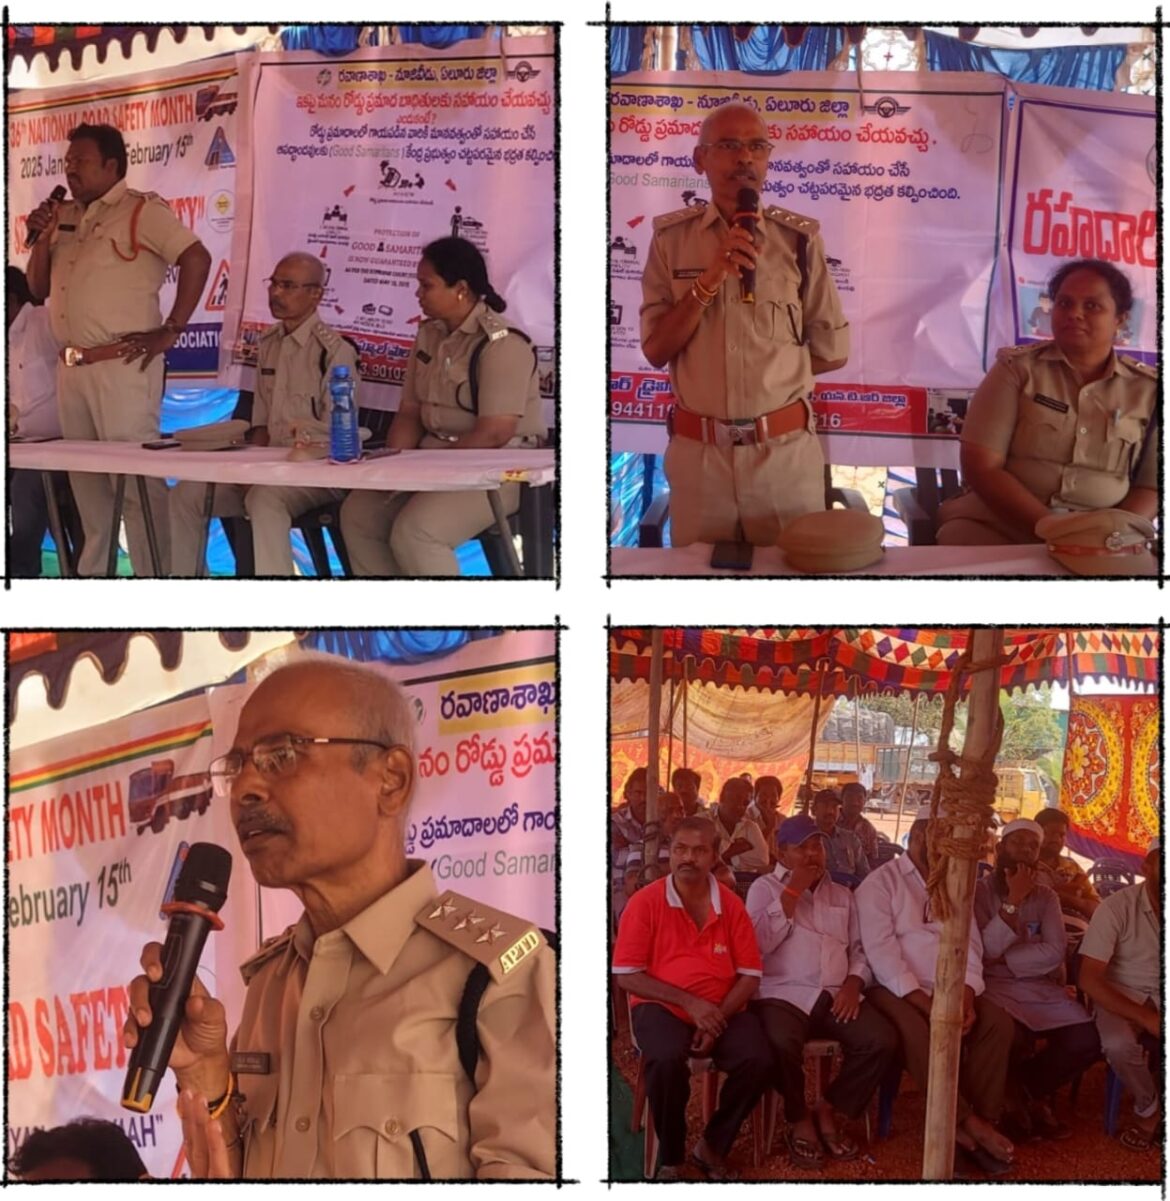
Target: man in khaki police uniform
{"type": "Point", "coordinates": [101, 259]}
{"type": "Point", "coordinates": [743, 456]}
{"type": "Point", "coordinates": [416, 533]}
{"type": "Point", "coordinates": [345, 1063]}
{"type": "Point", "coordinates": [1071, 444]}
{"type": "Point", "coordinates": [292, 403]}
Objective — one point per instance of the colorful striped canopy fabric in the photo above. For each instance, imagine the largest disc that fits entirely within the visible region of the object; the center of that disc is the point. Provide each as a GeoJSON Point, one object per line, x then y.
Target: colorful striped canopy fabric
{"type": "Point", "coordinates": [869, 660]}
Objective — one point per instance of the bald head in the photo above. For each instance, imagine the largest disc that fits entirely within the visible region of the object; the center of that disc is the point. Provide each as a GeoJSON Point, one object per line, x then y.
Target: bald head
{"type": "Point", "coordinates": [733, 154]}
{"type": "Point", "coordinates": [306, 268]}
{"type": "Point", "coordinates": [374, 703]}
{"type": "Point", "coordinates": [732, 117]}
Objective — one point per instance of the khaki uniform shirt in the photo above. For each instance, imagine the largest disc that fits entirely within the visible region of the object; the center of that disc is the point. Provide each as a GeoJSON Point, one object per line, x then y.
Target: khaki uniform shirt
{"type": "Point", "coordinates": [438, 378]}
{"type": "Point", "coordinates": [107, 264]}
{"type": "Point", "coordinates": [358, 1027]}
{"type": "Point", "coordinates": [1071, 446]}
{"type": "Point", "coordinates": [291, 389]}
{"type": "Point", "coordinates": [744, 359]}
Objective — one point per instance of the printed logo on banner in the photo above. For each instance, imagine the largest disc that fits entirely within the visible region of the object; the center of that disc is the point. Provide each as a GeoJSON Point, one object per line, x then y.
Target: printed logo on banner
{"type": "Point", "coordinates": [219, 153]}
{"type": "Point", "coordinates": [546, 366]}
{"type": "Point", "coordinates": [523, 71]}
{"type": "Point", "coordinates": [221, 210]}
{"type": "Point", "coordinates": [324, 76]}
{"type": "Point", "coordinates": [886, 107]}
{"type": "Point", "coordinates": [491, 700]}
{"type": "Point", "coordinates": [393, 178]}
{"type": "Point", "coordinates": [464, 225]}
{"type": "Point", "coordinates": [156, 795]}
{"type": "Point", "coordinates": [615, 313]}
{"type": "Point", "coordinates": [946, 410]}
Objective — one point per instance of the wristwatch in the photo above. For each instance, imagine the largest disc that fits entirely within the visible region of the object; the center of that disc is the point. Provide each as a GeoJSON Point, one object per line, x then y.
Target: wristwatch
{"type": "Point", "coordinates": [1008, 907]}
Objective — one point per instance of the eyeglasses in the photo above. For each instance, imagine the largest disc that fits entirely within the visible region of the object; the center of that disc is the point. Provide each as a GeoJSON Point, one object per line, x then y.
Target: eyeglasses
{"type": "Point", "coordinates": [757, 147]}
{"type": "Point", "coordinates": [286, 285]}
{"type": "Point", "coordinates": [272, 757]}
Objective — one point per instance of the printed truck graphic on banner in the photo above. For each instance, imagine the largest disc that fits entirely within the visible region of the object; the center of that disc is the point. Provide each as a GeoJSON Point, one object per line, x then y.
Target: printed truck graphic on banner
{"type": "Point", "coordinates": [157, 795]}
{"type": "Point", "coordinates": [211, 102]}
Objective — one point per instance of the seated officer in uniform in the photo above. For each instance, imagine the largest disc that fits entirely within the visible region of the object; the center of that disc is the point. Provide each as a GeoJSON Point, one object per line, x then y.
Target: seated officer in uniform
{"type": "Point", "coordinates": [292, 404]}
{"type": "Point", "coordinates": [1066, 424]}
{"type": "Point", "coordinates": [471, 384]}
{"type": "Point", "coordinates": [346, 1053]}
{"type": "Point", "coordinates": [743, 456]}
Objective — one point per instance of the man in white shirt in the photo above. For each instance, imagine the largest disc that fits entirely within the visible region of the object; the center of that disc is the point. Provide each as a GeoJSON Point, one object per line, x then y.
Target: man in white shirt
{"type": "Point", "coordinates": [32, 413]}
{"type": "Point", "coordinates": [741, 842]}
{"type": "Point", "coordinates": [900, 938]}
{"type": "Point", "coordinates": [814, 976]}
{"type": "Point", "coordinates": [1121, 974]}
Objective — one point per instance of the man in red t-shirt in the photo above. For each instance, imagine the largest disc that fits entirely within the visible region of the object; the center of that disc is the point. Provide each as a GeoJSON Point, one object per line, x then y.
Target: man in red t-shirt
{"type": "Point", "coordinates": [687, 953]}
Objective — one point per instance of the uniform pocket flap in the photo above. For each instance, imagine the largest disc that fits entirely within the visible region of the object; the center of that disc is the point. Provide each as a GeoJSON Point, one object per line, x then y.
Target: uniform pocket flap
{"type": "Point", "coordinates": [394, 1105]}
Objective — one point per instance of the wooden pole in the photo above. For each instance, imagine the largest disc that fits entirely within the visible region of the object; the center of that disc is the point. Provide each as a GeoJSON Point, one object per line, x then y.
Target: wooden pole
{"type": "Point", "coordinates": [670, 732]}
{"type": "Point", "coordinates": [906, 769]}
{"type": "Point", "coordinates": [686, 695]}
{"type": "Point", "coordinates": [650, 846]}
{"type": "Point", "coordinates": [857, 735]}
{"type": "Point", "coordinates": [946, 1011]}
{"type": "Point", "coordinates": [812, 746]}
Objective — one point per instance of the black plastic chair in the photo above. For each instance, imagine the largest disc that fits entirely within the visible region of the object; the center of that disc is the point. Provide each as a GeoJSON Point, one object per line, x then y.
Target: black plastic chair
{"type": "Point", "coordinates": [918, 506]}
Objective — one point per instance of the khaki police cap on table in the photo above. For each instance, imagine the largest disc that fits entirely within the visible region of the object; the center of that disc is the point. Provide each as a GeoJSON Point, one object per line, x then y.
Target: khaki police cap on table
{"type": "Point", "coordinates": [219, 436]}
{"type": "Point", "coordinates": [832, 541]}
{"type": "Point", "coordinates": [1100, 542]}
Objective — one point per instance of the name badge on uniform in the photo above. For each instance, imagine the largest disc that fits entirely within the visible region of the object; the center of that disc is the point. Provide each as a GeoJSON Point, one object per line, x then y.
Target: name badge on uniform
{"type": "Point", "coordinates": [267, 370]}
{"type": "Point", "coordinates": [688, 273]}
{"type": "Point", "coordinates": [251, 1063]}
{"type": "Point", "coordinates": [422, 356]}
{"type": "Point", "coordinates": [1060, 406]}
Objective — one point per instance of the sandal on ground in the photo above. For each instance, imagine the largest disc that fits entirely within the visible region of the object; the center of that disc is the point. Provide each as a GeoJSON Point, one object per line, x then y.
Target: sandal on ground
{"type": "Point", "coordinates": [711, 1171]}
{"type": "Point", "coordinates": [988, 1162]}
{"type": "Point", "coordinates": [804, 1153]}
{"type": "Point", "coordinates": [1134, 1139]}
{"type": "Point", "coordinates": [839, 1145]}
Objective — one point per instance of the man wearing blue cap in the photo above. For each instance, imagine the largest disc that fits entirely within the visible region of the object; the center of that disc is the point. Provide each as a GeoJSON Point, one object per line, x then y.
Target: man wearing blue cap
{"type": "Point", "coordinates": [814, 976]}
{"type": "Point", "coordinates": [1121, 974]}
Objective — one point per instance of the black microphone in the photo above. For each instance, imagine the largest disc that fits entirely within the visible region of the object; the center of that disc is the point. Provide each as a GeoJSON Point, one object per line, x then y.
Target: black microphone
{"type": "Point", "coordinates": [746, 203]}
{"type": "Point", "coordinates": [57, 194]}
{"type": "Point", "coordinates": [200, 892]}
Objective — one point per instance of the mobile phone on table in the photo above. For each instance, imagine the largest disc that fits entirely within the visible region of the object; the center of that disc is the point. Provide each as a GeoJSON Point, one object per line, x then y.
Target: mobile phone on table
{"type": "Point", "coordinates": [732, 556]}
{"type": "Point", "coordinates": [162, 444]}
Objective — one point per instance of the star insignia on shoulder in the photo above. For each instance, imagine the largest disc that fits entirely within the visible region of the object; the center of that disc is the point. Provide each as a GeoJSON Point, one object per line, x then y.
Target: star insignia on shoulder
{"type": "Point", "coordinates": [444, 909]}
{"type": "Point", "coordinates": [1115, 541]}
{"type": "Point", "coordinates": [491, 934]}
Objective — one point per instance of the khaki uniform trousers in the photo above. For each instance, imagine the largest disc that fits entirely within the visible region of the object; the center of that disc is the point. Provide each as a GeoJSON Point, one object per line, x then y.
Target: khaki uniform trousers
{"type": "Point", "coordinates": [270, 509]}
{"type": "Point", "coordinates": [718, 491]}
{"type": "Point", "coordinates": [967, 520]}
{"type": "Point", "coordinates": [114, 402]}
{"type": "Point", "coordinates": [415, 533]}
{"type": "Point", "coordinates": [986, 1051]}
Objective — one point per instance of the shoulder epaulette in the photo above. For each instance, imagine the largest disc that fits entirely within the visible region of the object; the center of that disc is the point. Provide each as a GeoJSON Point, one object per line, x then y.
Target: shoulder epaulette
{"type": "Point", "coordinates": [498, 940]}
{"type": "Point", "coordinates": [270, 948]}
{"type": "Point", "coordinates": [274, 328]}
{"type": "Point", "coordinates": [1146, 369]}
{"type": "Point", "coordinates": [794, 221]}
{"type": "Point", "coordinates": [1005, 354]}
{"type": "Point", "coordinates": [493, 325]}
{"type": "Point", "coordinates": [669, 220]}
{"type": "Point", "coordinates": [327, 336]}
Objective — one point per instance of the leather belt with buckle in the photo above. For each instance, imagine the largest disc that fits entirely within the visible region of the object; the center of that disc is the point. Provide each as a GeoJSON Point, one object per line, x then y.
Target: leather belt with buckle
{"type": "Point", "coordinates": [82, 356]}
{"type": "Point", "coordinates": [686, 424]}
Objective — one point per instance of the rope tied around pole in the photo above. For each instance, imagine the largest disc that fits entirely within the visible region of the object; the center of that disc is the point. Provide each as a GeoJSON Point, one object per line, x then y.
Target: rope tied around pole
{"type": "Point", "coordinates": [964, 797]}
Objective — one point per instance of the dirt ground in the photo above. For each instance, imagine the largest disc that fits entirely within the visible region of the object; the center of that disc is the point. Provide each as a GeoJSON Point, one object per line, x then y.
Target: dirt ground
{"type": "Point", "coordinates": [1090, 1155]}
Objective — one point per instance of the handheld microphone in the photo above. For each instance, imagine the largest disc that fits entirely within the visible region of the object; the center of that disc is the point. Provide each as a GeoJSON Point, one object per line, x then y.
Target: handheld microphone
{"type": "Point", "coordinates": [747, 202]}
{"type": "Point", "coordinates": [57, 194]}
{"type": "Point", "coordinates": [200, 893]}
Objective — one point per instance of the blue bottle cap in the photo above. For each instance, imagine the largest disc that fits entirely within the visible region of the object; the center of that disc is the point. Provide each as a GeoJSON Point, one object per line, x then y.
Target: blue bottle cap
{"type": "Point", "coordinates": [341, 371]}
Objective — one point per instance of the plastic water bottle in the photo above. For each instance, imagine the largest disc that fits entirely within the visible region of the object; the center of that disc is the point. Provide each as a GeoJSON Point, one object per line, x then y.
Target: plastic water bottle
{"type": "Point", "coordinates": [345, 444]}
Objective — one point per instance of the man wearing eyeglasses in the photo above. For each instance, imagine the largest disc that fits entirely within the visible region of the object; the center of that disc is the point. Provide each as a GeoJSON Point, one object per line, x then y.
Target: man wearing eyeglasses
{"type": "Point", "coordinates": [347, 1061]}
{"type": "Point", "coordinates": [291, 406]}
{"type": "Point", "coordinates": [743, 456]}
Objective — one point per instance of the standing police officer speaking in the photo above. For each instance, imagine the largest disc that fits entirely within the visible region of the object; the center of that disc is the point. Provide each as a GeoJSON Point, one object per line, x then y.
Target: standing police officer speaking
{"type": "Point", "coordinates": [743, 456]}
{"type": "Point", "coordinates": [101, 259]}
{"type": "Point", "coordinates": [351, 1059]}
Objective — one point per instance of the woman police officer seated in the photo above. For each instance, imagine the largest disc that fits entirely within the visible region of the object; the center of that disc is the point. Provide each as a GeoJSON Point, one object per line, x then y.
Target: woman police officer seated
{"type": "Point", "coordinates": [471, 383]}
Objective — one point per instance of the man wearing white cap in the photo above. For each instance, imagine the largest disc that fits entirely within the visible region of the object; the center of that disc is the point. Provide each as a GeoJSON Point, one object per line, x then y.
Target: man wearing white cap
{"type": "Point", "coordinates": [900, 937]}
{"type": "Point", "coordinates": [1121, 974]}
{"type": "Point", "coordinates": [1024, 947]}
{"type": "Point", "coordinates": [814, 976]}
